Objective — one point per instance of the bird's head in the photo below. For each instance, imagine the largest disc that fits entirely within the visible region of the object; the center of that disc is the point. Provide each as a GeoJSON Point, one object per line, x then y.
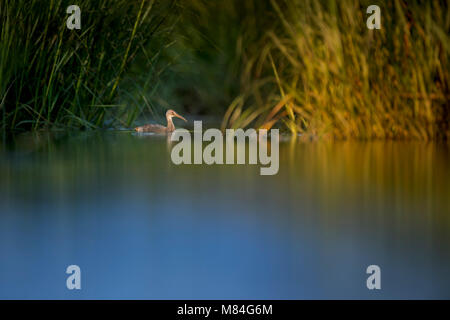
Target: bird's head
{"type": "Point", "coordinates": [170, 114]}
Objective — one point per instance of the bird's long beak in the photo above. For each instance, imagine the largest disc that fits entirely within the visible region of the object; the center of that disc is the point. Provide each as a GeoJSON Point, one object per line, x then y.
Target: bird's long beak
{"type": "Point", "coordinates": [178, 116]}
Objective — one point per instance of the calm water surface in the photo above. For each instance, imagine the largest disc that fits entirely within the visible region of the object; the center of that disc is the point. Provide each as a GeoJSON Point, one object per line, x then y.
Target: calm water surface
{"type": "Point", "coordinates": [141, 227]}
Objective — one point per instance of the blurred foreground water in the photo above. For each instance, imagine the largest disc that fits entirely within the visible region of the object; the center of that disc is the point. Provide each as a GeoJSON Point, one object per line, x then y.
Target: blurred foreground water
{"type": "Point", "coordinates": [141, 227]}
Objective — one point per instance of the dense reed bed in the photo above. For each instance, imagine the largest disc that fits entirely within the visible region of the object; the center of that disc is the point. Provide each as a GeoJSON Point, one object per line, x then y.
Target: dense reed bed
{"type": "Point", "coordinates": [305, 66]}
{"type": "Point", "coordinates": [319, 71]}
{"type": "Point", "coordinates": [53, 77]}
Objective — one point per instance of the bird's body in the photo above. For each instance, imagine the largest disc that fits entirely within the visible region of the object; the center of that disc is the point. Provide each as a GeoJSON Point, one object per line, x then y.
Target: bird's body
{"type": "Point", "coordinates": [156, 128]}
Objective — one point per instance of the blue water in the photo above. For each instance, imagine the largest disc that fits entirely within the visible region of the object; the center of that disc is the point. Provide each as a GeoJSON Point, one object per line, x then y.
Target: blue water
{"type": "Point", "coordinates": [140, 227]}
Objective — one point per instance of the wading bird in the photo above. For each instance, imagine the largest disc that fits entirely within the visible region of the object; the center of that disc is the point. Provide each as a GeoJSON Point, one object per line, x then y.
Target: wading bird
{"type": "Point", "coordinates": [159, 128]}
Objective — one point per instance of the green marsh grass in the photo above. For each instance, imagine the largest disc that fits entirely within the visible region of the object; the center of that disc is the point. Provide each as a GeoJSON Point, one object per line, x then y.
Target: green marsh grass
{"type": "Point", "coordinates": [53, 77]}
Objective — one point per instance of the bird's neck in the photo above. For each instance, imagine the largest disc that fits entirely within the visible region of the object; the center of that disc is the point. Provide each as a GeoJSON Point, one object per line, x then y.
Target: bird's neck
{"type": "Point", "coordinates": [170, 125]}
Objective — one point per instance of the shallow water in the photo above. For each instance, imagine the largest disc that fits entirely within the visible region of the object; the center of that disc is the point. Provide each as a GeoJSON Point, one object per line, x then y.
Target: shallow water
{"type": "Point", "coordinates": [141, 227]}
